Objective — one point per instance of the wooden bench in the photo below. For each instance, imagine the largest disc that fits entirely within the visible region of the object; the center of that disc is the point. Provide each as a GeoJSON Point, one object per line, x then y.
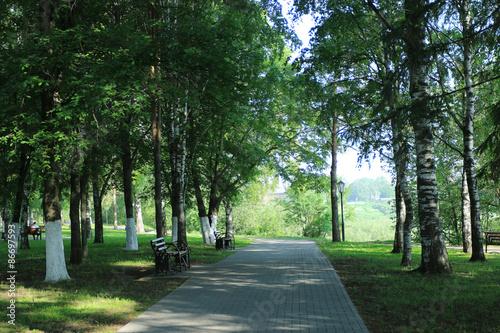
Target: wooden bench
{"type": "Point", "coordinates": [492, 238]}
{"type": "Point", "coordinates": [36, 232]}
{"type": "Point", "coordinates": [224, 243]}
{"type": "Point", "coordinates": [170, 257]}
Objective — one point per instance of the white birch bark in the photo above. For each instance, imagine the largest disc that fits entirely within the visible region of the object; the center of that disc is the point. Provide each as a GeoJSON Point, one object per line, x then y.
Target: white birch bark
{"type": "Point", "coordinates": [132, 244]}
{"type": "Point", "coordinates": [466, 220]}
{"type": "Point", "coordinates": [434, 253]}
{"type": "Point", "coordinates": [469, 160]}
{"type": "Point", "coordinates": [55, 262]}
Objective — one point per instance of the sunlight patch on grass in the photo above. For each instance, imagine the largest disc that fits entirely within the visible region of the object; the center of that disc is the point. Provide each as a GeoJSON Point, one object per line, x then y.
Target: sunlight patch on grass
{"type": "Point", "coordinates": [392, 298]}
{"type": "Point", "coordinates": [103, 293]}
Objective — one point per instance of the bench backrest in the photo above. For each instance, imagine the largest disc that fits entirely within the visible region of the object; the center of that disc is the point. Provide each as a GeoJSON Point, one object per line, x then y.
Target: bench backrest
{"type": "Point", "coordinates": [158, 245]}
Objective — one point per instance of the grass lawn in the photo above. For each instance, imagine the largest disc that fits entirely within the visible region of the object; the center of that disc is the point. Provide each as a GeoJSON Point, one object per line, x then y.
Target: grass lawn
{"type": "Point", "coordinates": [103, 294]}
{"type": "Point", "coordinates": [392, 299]}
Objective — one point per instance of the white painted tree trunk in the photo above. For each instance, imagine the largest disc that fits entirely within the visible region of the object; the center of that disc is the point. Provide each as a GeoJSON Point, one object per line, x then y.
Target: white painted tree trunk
{"type": "Point", "coordinates": [205, 229]}
{"type": "Point", "coordinates": [174, 228]}
{"type": "Point", "coordinates": [132, 244]}
{"type": "Point", "coordinates": [115, 208]}
{"type": "Point", "coordinates": [213, 227]}
{"type": "Point", "coordinates": [55, 263]}
{"type": "Point", "coordinates": [138, 215]}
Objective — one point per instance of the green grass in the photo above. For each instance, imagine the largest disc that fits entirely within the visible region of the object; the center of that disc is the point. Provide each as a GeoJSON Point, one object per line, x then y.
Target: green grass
{"type": "Point", "coordinates": [393, 299]}
{"type": "Point", "coordinates": [104, 293]}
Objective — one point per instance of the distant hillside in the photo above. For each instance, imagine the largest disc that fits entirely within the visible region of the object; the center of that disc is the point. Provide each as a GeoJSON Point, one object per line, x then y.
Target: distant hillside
{"type": "Point", "coordinates": [370, 190]}
{"type": "Point", "coordinates": [369, 221]}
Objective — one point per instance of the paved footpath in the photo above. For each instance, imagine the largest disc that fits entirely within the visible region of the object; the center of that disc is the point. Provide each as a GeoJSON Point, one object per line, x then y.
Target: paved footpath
{"type": "Point", "coordinates": [268, 286]}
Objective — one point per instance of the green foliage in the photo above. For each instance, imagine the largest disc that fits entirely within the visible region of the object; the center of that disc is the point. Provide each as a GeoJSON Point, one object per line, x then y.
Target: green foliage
{"type": "Point", "coordinates": [309, 210]}
{"type": "Point", "coordinates": [258, 213]}
{"type": "Point", "coordinates": [369, 221]}
{"type": "Point", "coordinates": [366, 189]}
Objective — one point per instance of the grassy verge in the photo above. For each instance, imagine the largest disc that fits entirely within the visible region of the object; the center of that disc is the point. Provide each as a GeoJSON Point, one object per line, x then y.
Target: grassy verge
{"type": "Point", "coordinates": [393, 299]}
{"type": "Point", "coordinates": [103, 294]}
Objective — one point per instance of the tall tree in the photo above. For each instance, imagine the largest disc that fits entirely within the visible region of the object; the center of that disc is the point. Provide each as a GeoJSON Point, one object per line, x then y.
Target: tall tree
{"type": "Point", "coordinates": [127, 165]}
{"type": "Point", "coordinates": [49, 16]}
{"type": "Point", "coordinates": [434, 254]}
{"type": "Point", "coordinates": [464, 9]}
{"type": "Point", "coordinates": [156, 123]}
{"type": "Point", "coordinates": [75, 208]}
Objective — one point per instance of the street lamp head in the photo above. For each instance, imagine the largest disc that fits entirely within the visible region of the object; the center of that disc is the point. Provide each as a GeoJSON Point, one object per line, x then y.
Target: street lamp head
{"type": "Point", "coordinates": [341, 186]}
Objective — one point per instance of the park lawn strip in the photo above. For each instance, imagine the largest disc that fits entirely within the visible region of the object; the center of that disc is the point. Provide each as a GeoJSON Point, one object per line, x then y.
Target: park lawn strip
{"type": "Point", "coordinates": [103, 294]}
{"type": "Point", "coordinates": [394, 299]}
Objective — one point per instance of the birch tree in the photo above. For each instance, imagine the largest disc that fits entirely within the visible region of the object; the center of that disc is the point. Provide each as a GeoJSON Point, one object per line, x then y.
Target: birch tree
{"type": "Point", "coordinates": [468, 132]}
{"type": "Point", "coordinates": [434, 253]}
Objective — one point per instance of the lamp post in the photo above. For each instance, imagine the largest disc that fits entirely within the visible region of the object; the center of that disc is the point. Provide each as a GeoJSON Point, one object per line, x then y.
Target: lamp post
{"type": "Point", "coordinates": [341, 187]}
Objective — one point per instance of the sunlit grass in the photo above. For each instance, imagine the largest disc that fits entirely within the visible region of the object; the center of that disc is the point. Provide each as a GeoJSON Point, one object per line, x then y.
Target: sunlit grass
{"type": "Point", "coordinates": [104, 292]}
{"type": "Point", "coordinates": [395, 299]}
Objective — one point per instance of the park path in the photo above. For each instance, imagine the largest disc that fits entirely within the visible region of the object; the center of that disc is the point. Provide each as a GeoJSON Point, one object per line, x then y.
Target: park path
{"type": "Point", "coordinates": [269, 286]}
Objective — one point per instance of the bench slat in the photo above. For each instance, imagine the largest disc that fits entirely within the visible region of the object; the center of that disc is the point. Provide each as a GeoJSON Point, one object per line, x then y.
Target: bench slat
{"type": "Point", "coordinates": [492, 238]}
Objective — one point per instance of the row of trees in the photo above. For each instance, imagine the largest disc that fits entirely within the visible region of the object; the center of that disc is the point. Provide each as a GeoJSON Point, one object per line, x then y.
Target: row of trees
{"type": "Point", "coordinates": [100, 93]}
{"type": "Point", "coordinates": [200, 96]}
{"type": "Point", "coordinates": [401, 78]}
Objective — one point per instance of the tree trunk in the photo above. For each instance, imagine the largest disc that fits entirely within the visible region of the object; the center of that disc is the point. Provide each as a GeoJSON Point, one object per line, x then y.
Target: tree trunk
{"type": "Point", "coordinates": [213, 216]}
{"type": "Point", "coordinates": [469, 161]}
{"type": "Point", "coordinates": [55, 262]}
{"type": "Point", "coordinates": [99, 223]}
{"type": "Point", "coordinates": [408, 202]}
{"type": "Point", "coordinates": [22, 197]}
{"type": "Point", "coordinates": [83, 216]}
{"type": "Point", "coordinates": [466, 219]}
{"type": "Point", "coordinates": [175, 227]}
{"type": "Point", "coordinates": [161, 227]}
{"type": "Point", "coordinates": [74, 213]}
{"type": "Point", "coordinates": [138, 215]}
{"type": "Point", "coordinates": [434, 253]}
{"type": "Point", "coordinates": [333, 184]}
{"type": "Point", "coordinates": [177, 143]}
{"type": "Point", "coordinates": [24, 222]}
{"type": "Point", "coordinates": [229, 218]}
{"type": "Point", "coordinates": [202, 212]}
{"type": "Point", "coordinates": [398, 244]}
{"type": "Point", "coordinates": [115, 208]}
{"type": "Point", "coordinates": [214, 202]}
{"type": "Point", "coordinates": [6, 217]}
{"type": "Point", "coordinates": [400, 152]}
{"type": "Point", "coordinates": [132, 244]}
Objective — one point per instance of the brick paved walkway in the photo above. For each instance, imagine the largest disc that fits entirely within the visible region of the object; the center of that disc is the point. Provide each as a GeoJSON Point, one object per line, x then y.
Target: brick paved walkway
{"type": "Point", "coordinates": [268, 286]}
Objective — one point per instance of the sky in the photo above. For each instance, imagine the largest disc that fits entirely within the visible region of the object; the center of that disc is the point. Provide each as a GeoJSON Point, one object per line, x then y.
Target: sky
{"type": "Point", "coordinates": [349, 171]}
{"type": "Point", "coordinates": [347, 167]}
